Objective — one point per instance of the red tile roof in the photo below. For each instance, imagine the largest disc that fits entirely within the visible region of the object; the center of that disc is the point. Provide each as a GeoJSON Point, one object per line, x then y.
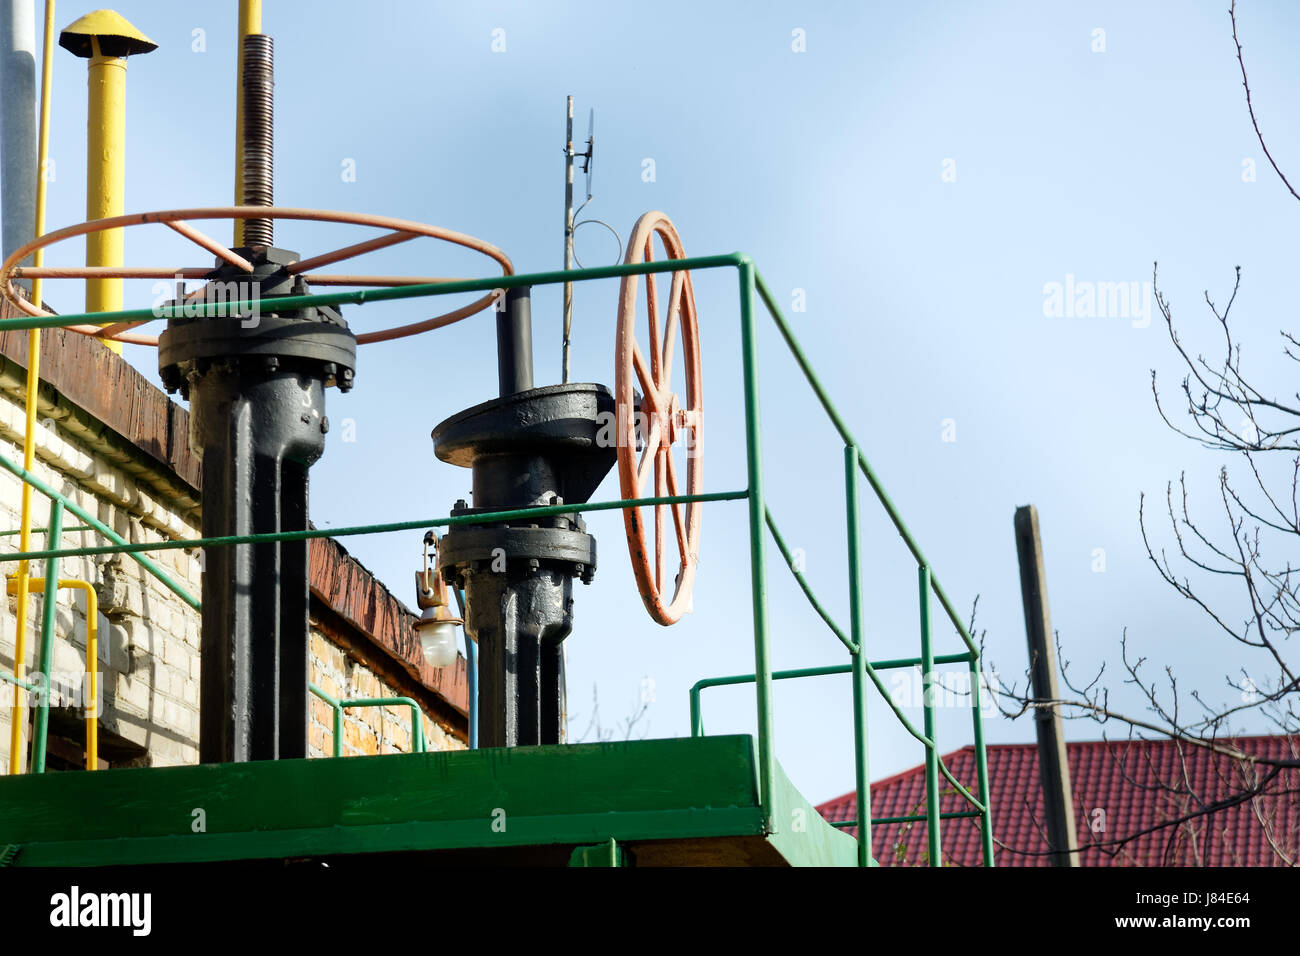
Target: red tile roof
{"type": "Point", "coordinates": [1134, 784]}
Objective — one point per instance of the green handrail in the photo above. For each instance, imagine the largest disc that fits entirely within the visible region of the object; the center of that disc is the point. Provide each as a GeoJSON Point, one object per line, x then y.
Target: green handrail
{"type": "Point", "coordinates": [418, 744]}
{"type": "Point", "coordinates": [750, 283]}
{"type": "Point", "coordinates": [309, 533]}
{"type": "Point", "coordinates": [803, 582]}
{"type": "Point", "coordinates": [120, 546]}
{"type": "Point", "coordinates": [827, 670]}
{"type": "Point", "coordinates": [910, 818]}
{"type": "Point", "coordinates": [697, 715]}
{"type": "Point", "coordinates": [361, 297]}
{"type": "Point", "coordinates": [49, 605]}
{"type": "Point", "coordinates": [784, 327]}
{"type": "Point", "coordinates": [10, 678]}
{"type": "Point", "coordinates": [75, 527]}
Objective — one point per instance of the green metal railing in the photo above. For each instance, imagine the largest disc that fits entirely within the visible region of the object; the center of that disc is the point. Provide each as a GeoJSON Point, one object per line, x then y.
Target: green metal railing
{"type": "Point", "coordinates": [759, 518]}
{"type": "Point", "coordinates": [926, 739]}
{"type": "Point", "coordinates": [338, 706]}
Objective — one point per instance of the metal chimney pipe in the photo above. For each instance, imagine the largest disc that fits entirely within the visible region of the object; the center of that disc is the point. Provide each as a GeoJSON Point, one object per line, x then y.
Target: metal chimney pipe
{"type": "Point", "coordinates": [105, 40]}
{"type": "Point", "coordinates": [17, 122]}
{"type": "Point", "coordinates": [515, 342]}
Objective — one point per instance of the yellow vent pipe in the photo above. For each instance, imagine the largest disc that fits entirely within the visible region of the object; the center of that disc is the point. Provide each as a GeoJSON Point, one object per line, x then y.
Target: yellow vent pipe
{"type": "Point", "coordinates": [106, 39]}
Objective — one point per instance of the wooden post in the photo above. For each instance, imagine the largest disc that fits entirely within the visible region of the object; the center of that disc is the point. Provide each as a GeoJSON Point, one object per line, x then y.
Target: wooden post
{"type": "Point", "coordinates": [1053, 767]}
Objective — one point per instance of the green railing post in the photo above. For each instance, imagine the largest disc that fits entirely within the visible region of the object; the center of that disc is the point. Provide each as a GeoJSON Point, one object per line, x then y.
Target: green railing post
{"type": "Point", "coordinates": [338, 729]}
{"type": "Point", "coordinates": [981, 762]}
{"type": "Point", "coordinates": [927, 702]}
{"type": "Point", "coordinates": [417, 729]}
{"type": "Point", "coordinates": [857, 626]}
{"type": "Point", "coordinates": [48, 608]}
{"type": "Point", "coordinates": [757, 540]}
{"type": "Point", "coordinates": [697, 719]}
{"type": "Point", "coordinates": [337, 707]}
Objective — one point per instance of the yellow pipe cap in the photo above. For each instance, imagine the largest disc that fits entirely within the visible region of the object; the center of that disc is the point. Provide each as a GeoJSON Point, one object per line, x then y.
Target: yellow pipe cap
{"type": "Point", "coordinates": [115, 34]}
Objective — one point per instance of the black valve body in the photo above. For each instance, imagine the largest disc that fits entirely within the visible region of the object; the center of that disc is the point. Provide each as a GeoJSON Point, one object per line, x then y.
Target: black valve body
{"type": "Point", "coordinates": [256, 383]}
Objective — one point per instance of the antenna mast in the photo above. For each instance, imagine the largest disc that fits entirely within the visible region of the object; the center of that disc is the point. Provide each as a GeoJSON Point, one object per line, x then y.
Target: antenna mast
{"type": "Point", "coordinates": [568, 240]}
{"type": "Point", "coordinates": [570, 259]}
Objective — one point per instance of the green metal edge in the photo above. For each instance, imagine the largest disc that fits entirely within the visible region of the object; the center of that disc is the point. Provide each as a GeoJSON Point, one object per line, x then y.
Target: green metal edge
{"type": "Point", "coordinates": [802, 835]}
{"type": "Point", "coordinates": [419, 835]}
{"type": "Point", "coordinates": [576, 794]}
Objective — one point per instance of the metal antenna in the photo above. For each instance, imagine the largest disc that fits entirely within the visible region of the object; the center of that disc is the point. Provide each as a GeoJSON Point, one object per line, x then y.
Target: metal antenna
{"type": "Point", "coordinates": [568, 240]}
{"type": "Point", "coordinates": [591, 145]}
{"type": "Point", "coordinates": [569, 156]}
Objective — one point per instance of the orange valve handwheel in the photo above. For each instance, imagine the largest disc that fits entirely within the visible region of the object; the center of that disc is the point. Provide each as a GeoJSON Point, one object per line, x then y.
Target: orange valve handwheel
{"type": "Point", "coordinates": [400, 230]}
{"type": "Point", "coordinates": [649, 430]}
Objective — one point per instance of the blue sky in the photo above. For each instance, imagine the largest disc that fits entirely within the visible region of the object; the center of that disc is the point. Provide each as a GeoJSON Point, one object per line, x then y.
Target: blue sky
{"type": "Point", "coordinates": [924, 292]}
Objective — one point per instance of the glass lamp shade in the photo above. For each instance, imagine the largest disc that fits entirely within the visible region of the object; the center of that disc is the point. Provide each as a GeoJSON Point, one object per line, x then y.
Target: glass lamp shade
{"type": "Point", "coordinates": [438, 641]}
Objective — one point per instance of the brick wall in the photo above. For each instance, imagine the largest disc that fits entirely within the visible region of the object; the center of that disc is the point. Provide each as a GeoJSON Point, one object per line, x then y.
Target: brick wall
{"type": "Point", "coordinates": [366, 730]}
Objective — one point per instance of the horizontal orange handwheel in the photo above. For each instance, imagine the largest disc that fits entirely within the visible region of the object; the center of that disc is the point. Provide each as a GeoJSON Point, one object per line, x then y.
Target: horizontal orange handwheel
{"type": "Point", "coordinates": [400, 230]}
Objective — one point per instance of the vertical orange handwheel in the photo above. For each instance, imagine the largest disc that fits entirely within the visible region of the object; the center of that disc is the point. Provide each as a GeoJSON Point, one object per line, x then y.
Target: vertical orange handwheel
{"type": "Point", "coordinates": [650, 431]}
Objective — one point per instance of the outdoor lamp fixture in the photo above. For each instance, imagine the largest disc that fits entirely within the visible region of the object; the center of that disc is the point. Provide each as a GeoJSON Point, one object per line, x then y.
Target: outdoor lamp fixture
{"type": "Point", "coordinates": [437, 625]}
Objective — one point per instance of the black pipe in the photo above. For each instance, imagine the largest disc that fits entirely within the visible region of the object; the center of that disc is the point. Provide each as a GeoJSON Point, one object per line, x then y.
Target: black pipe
{"type": "Point", "coordinates": [537, 447]}
{"type": "Point", "coordinates": [258, 433]}
{"type": "Point", "coordinates": [515, 342]}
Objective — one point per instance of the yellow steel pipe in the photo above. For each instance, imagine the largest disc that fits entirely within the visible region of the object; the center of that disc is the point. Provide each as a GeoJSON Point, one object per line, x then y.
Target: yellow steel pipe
{"type": "Point", "coordinates": [106, 39]}
{"type": "Point", "coordinates": [250, 21]}
{"type": "Point", "coordinates": [106, 176]}
{"type": "Point", "coordinates": [92, 657]}
{"type": "Point", "coordinates": [18, 713]}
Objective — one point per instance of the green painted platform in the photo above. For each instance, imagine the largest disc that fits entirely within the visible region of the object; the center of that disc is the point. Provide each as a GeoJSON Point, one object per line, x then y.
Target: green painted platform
{"type": "Point", "coordinates": [684, 801]}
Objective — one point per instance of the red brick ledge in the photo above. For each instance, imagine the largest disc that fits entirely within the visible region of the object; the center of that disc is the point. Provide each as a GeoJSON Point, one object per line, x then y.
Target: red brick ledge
{"type": "Point", "coordinates": [104, 385]}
